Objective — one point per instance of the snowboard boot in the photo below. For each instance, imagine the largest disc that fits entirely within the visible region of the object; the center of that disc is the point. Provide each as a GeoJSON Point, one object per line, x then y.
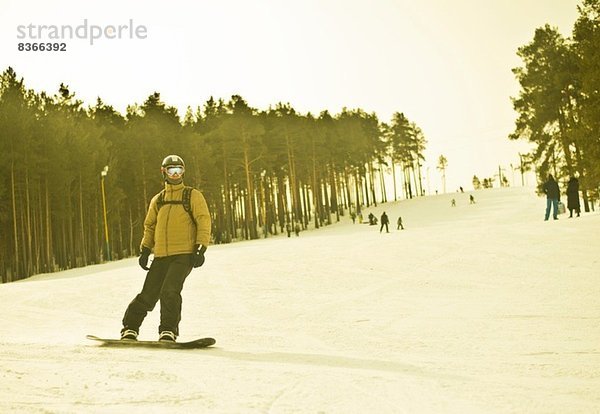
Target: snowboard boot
{"type": "Point", "coordinates": [167, 336]}
{"type": "Point", "coordinates": [129, 335]}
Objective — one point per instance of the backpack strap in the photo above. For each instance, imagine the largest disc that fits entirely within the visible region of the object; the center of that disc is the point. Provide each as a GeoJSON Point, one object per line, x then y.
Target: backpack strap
{"type": "Point", "coordinates": [186, 201]}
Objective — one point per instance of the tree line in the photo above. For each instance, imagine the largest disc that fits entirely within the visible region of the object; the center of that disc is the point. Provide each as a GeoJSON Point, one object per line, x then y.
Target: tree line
{"type": "Point", "coordinates": [258, 169]}
{"type": "Point", "coordinates": [558, 104]}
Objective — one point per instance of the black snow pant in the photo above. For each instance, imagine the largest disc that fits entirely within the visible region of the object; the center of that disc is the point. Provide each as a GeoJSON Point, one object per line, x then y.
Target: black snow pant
{"type": "Point", "coordinates": [164, 282]}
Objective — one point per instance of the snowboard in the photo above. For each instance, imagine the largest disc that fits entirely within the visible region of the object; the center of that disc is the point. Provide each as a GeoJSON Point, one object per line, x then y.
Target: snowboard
{"type": "Point", "coordinates": [195, 344]}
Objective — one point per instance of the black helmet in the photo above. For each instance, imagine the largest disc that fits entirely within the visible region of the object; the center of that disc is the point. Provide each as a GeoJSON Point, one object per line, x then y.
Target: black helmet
{"type": "Point", "coordinates": [172, 169]}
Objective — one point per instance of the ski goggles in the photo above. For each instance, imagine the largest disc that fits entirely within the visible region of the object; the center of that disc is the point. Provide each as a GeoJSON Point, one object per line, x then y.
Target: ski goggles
{"type": "Point", "coordinates": [174, 170]}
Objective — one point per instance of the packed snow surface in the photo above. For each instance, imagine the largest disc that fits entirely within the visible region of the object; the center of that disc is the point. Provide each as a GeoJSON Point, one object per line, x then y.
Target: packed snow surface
{"type": "Point", "coordinates": [478, 308]}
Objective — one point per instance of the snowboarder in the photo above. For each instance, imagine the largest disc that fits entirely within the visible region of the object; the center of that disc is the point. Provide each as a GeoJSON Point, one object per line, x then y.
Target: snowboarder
{"type": "Point", "coordinates": [573, 197]}
{"type": "Point", "coordinates": [177, 227]}
{"type": "Point", "coordinates": [552, 192]}
{"type": "Point", "coordinates": [384, 222]}
{"type": "Point", "coordinates": [400, 226]}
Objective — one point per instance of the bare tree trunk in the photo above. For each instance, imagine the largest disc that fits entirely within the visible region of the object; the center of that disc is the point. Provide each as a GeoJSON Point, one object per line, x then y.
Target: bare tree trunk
{"type": "Point", "coordinates": [414, 174]}
{"type": "Point", "coordinates": [421, 192]}
{"type": "Point", "coordinates": [146, 200]}
{"type": "Point", "coordinates": [14, 207]}
{"type": "Point", "coordinates": [315, 192]}
{"type": "Point", "coordinates": [29, 263]}
{"type": "Point", "coordinates": [394, 180]}
{"type": "Point", "coordinates": [49, 249]}
{"type": "Point", "coordinates": [382, 184]}
{"type": "Point", "coordinates": [83, 244]}
{"type": "Point", "coordinates": [281, 201]}
{"type": "Point", "coordinates": [71, 252]}
{"type": "Point", "coordinates": [296, 208]}
{"type": "Point", "coordinates": [263, 207]}
{"type": "Point", "coordinates": [372, 182]}
{"type": "Point", "coordinates": [250, 210]}
{"type": "Point", "coordinates": [357, 187]}
{"type": "Point", "coordinates": [131, 225]}
{"type": "Point", "coordinates": [333, 199]}
{"type": "Point", "coordinates": [407, 183]}
{"type": "Point", "coordinates": [306, 216]}
{"type": "Point", "coordinates": [366, 188]}
{"type": "Point", "coordinates": [229, 212]}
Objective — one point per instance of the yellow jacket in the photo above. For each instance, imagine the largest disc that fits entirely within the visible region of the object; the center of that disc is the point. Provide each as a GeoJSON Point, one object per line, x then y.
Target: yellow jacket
{"type": "Point", "coordinates": [170, 230]}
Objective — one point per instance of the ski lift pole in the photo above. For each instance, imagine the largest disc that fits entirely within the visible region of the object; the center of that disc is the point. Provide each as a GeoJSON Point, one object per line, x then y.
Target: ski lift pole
{"type": "Point", "coordinates": [103, 174]}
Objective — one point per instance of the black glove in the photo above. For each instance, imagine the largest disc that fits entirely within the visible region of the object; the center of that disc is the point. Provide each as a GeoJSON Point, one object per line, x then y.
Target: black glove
{"type": "Point", "coordinates": [143, 260]}
{"type": "Point", "coordinates": [198, 256]}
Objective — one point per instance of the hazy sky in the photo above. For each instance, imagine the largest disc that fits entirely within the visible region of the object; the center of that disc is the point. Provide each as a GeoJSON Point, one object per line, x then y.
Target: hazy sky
{"type": "Point", "coordinates": [445, 63]}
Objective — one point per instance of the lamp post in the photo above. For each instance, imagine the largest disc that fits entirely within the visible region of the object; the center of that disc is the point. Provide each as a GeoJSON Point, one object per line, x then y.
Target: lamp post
{"type": "Point", "coordinates": [522, 169]}
{"type": "Point", "coordinates": [103, 174]}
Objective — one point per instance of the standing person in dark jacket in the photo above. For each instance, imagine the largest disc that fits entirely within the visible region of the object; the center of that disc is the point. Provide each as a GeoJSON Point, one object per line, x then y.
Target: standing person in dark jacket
{"type": "Point", "coordinates": [179, 239]}
{"type": "Point", "coordinates": [385, 221]}
{"type": "Point", "coordinates": [552, 197]}
{"type": "Point", "coordinates": [573, 197]}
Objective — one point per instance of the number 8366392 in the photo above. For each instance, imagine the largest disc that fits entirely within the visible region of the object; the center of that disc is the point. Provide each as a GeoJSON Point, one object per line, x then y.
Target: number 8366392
{"type": "Point", "coordinates": [42, 47]}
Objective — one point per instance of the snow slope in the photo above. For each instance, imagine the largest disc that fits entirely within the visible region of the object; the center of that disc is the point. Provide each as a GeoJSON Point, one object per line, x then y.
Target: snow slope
{"type": "Point", "coordinates": [480, 308]}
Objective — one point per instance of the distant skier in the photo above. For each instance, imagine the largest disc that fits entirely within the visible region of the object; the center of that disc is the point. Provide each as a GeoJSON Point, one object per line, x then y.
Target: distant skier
{"type": "Point", "coordinates": [453, 203]}
{"type": "Point", "coordinates": [552, 192]}
{"type": "Point", "coordinates": [297, 229]}
{"type": "Point", "coordinates": [179, 234]}
{"type": "Point", "coordinates": [471, 199]}
{"type": "Point", "coordinates": [384, 222]}
{"type": "Point", "coordinates": [288, 229]}
{"type": "Point", "coordinates": [573, 197]}
{"type": "Point", "coordinates": [400, 226]}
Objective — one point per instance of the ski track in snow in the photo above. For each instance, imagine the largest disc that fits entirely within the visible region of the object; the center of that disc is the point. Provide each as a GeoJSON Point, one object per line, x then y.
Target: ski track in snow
{"type": "Point", "coordinates": [480, 308]}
